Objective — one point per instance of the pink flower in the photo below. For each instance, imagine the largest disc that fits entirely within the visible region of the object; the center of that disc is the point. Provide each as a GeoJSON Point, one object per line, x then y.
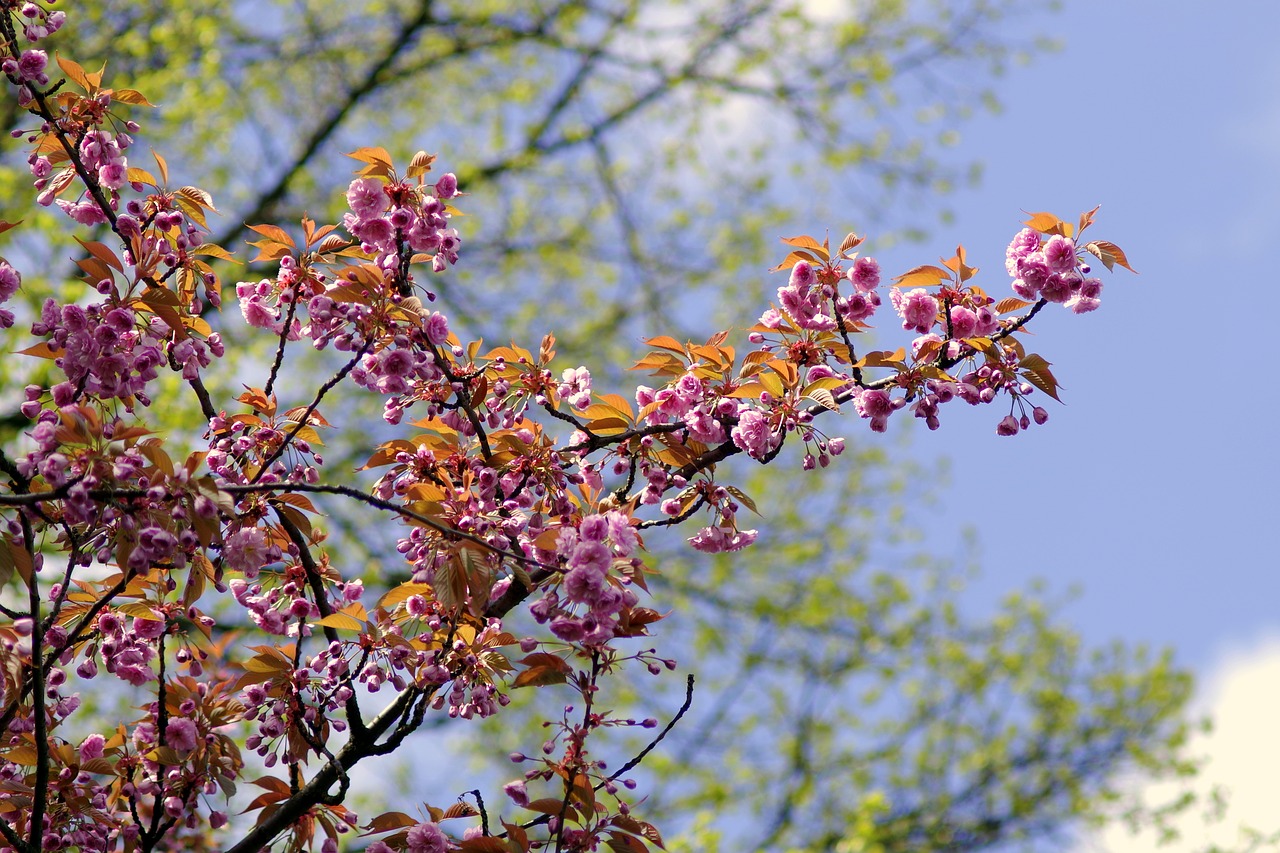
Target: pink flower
{"type": "Point", "coordinates": [112, 175]}
{"type": "Point", "coordinates": [85, 212]}
{"type": "Point", "coordinates": [859, 307]}
{"type": "Point", "coordinates": [91, 747]}
{"type": "Point", "coordinates": [1060, 254]}
{"type": "Point", "coordinates": [1060, 287]}
{"type": "Point", "coordinates": [1024, 243]}
{"type": "Point", "coordinates": [1008, 426]}
{"type": "Point", "coordinates": [1086, 299]}
{"type": "Point", "coordinates": [149, 629]}
{"type": "Point", "coordinates": [256, 313]}
{"type": "Point", "coordinates": [874, 403]}
{"type": "Point", "coordinates": [753, 434]}
{"type": "Point", "coordinates": [771, 319]}
{"type": "Point", "coordinates": [625, 539]}
{"type": "Point", "coordinates": [447, 186]}
{"type": "Point", "coordinates": [864, 274]}
{"type": "Point", "coordinates": [181, 734]}
{"type": "Point", "coordinates": [964, 323]}
{"type": "Point", "coordinates": [10, 280]}
{"type": "Point", "coordinates": [437, 328]}
{"type": "Point", "coordinates": [394, 361]}
{"type": "Point", "coordinates": [246, 550]}
{"type": "Point", "coordinates": [918, 310]}
{"type": "Point", "coordinates": [31, 66]}
{"type": "Point", "coordinates": [517, 792]}
{"type": "Point", "coordinates": [366, 198]}
{"type": "Point", "coordinates": [594, 528]}
{"type": "Point", "coordinates": [376, 230]}
{"type": "Point", "coordinates": [802, 277]}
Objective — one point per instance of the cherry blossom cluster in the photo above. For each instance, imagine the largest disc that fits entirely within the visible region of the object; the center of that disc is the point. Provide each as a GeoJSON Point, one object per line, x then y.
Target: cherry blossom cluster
{"type": "Point", "coordinates": [1050, 268]}
{"type": "Point", "coordinates": [585, 605]}
{"type": "Point", "coordinates": [499, 510]}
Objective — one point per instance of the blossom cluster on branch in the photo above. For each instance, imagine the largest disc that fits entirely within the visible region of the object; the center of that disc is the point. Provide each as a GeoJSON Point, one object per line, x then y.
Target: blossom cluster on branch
{"type": "Point", "coordinates": [514, 484]}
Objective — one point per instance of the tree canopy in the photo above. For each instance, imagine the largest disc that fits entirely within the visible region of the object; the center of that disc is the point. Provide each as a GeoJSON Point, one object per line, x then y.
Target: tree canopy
{"type": "Point", "coordinates": [624, 159]}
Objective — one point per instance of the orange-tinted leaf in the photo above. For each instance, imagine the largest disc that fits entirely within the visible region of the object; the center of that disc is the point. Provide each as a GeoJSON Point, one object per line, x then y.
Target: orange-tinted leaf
{"type": "Point", "coordinates": [794, 258]}
{"type": "Point", "coordinates": [1086, 219]}
{"type": "Point", "coordinates": [926, 275]}
{"type": "Point", "coordinates": [666, 343]}
{"type": "Point", "coordinates": [621, 842]}
{"type": "Point", "coordinates": [140, 176]}
{"type": "Point", "coordinates": [1011, 303]}
{"type": "Point", "coordinates": [391, 820]}
{"type": "Point", "coordinates": [274, 233]}
{"type": "Point", "coordinates": [131, 96]}
{"type": "Point", "coordinates": [420, 164]}
{"type": "Point", "coordinates": [41, 350]}
{"type": "Point", "coordinates": [162, 166]}
{"type": "Point", "coordinates": [75, 73]}
{"type": "Point", "coordinates": [850, 241]}
{"type": "Point", "coordinates": [807, 242]}
{"type": "Point", "coordinates": [1047, 223]}
{"type": "Point", "coordinates": [824, 398]}
{"type": "Point", "coordinates": [342, 622]}
{"type": "Point", "coordinates": [538, 676]}
{"type": "Point", "coordinates": [1110, 254]}
{"type": "Point", "coordinates": [372, 155]}
{"type": "Point", "coordinates": [102, 252]}
{"type": "Point", "coordinates": [883, 358]}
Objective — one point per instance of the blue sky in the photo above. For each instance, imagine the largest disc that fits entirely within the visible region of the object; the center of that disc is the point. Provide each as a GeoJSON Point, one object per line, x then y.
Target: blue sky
{"type": "Point", "coordinates": [1154, 486]}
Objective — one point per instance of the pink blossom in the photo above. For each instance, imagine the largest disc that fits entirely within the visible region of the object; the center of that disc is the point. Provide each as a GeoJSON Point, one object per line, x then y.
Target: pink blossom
{"type": "Point", "coordinates": [864, 274]}
{"type": "Point", "coordinates": [1060, 253]}
{"type": "Point", "coordinates": [85, 212]}
{"type": "Point", "coordinates": [1060, 287]}
{"type": "Point", "coordinates": [113, 176]}
{"type": "Point", "coordinates": [517, 792]}
{"type": "Point", "coordinates": [918, 310]}
{"type": "Point", "coordinates": [394, 361]}
{"type": "Point", "coordinates": [428, 838]}
{"type": "Point", "coordinates": [771, 319]}
{"type": "Point", "coordinates": [689, 387]}
{"type": "Point", "coordinates": [447, 186]}
{"type": "Point", "coordinates": [92, 747]}
{"type": "Point", "coordinates": [246, 550]}
{"type": "Point", "coordinates": [149, 629]}
{"type": "Point", "coordinates": [31, 66]}
{"type": "Point", "coordinates": [753, 434]}
{"type": "Point", "coordinates": [874, 403]}
{"type": "Point", "coordinates": [624, 536]}
{"type": "Point", "coordinates": [1087, 298]}
{"type": "Point", "coordinates": [437, 328]}
{"type": "Point", "coordinates": [10, 280]}
{"type": "Point", "coordinates": [717, 540]}
{"type": "Point", "coordinates": [594, 528]}
{"type": "Point", "coordinates": [802, 277]}
{"type": "Point", "coordinates": [376, 230]}
{"type": "Point", "coordinates": [964, 323]}
{"type": "Point", "coordinates": [1034, 271]}
{"type": "Point", "coordinates": [366, 197]}
{"type": "Point", "coordinates": [181, 734]}
{"type": "Point", "coordinates": [257, 314]}
{"type": "Point", "coordinates": [1008, 426]}
{"type": "Point", "coordinates": [1024, 243]}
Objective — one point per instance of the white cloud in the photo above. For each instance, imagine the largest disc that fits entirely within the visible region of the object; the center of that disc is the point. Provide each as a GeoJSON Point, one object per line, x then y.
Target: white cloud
{"type": "Point", "coordinates": [1242, 695]}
